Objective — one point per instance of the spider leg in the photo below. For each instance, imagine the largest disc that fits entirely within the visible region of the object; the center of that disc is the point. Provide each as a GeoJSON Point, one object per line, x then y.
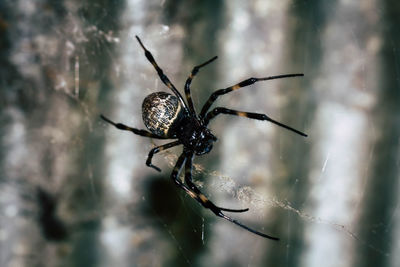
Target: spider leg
{"type": "Point", "coordinates": [195, 189]}
{"type": "Point", "coordinates": [133, 130]}
{"type": "Point", "coordinates": [220, 110]}
{"type": "Point", "coordinates": [175, 175]}
{"type": "Point", "coordinates": [202, 199]}
{"type": "Point", "coordinates": [244, 83]}
{"type": "Point", "coordinates": [160, 73]}
{"type": "Point", "coordinates": [246, 227]}
{"type": "Point", "coordinates": [189, 81]}
{"type": "Point", "coordinates": [157, 149]}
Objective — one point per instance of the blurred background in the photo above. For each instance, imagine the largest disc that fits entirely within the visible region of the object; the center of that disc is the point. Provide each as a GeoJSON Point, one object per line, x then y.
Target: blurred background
{"type": "Point", "coordinates": [75, 191]}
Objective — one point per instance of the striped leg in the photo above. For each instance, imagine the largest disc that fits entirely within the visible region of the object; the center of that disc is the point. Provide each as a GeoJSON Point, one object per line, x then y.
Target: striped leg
{"type": "Point", "coordinates": [220, 110]}
{"type": "Point", "coordinates": [244, 83]}
{"type": "Point", "coordinates": [203, 200]}
{"type": "Point", "coordinates": [158, 149]}
{"type": "Point", "coordinates": [133, 130]}
{"type": "Point", "coordinates": [175, 175]}
{"type": "Point", "coordinates": [160, 72]}
{"type": "Point", "coordinates": [189, 81]}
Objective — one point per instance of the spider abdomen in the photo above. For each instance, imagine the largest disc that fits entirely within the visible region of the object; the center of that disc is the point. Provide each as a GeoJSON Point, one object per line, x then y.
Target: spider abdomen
{"type": "Point", "coordinates": [161, 113]}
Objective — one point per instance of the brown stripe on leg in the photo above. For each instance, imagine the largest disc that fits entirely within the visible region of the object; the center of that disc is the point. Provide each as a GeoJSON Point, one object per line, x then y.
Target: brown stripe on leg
{"type": "Point", "coordinates": [203, 199]}
{"type": "Point", "coordinates": [140, 132]}
{"type": "Point", "coordinates": [200, 196]}
{"type": "Point", "coordinates": [189, 81]}
{"type": "Point", "coordinates": [237, 86]}
{"type": "Point", "coordinates": [160, 73]}
{"type": "Point", "coordinates": [257, 116]}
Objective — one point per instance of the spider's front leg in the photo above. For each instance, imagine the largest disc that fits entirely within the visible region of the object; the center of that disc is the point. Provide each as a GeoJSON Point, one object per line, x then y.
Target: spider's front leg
{"type": "Point", "coordinates": [257, 116]}
{"type": "Point", "coordinates": [200, 196]}
{"type": "Point", "coordinates": [202, 199]}
{"type": "Point", "coordinates": [237, 86]}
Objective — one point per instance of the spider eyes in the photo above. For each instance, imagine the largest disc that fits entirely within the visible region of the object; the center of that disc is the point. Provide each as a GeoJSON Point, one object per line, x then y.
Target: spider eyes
{"type": "Point", "coordinates": [203, 147]}
{"type": "Point", "coordinates": [204, 143]}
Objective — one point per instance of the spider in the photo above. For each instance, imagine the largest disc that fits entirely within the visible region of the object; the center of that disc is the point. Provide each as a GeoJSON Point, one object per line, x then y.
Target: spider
{"type": "Point", "coordinates": [168, 116]}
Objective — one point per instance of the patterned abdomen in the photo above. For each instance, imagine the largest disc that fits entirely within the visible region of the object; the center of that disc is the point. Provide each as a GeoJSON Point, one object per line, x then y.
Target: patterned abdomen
{"type": "Point", "coordinates": [161, 113]}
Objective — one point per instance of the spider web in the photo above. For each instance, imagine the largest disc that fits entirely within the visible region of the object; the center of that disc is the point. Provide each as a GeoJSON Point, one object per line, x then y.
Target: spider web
{"type": "Point", "coordinates": [248, 196]}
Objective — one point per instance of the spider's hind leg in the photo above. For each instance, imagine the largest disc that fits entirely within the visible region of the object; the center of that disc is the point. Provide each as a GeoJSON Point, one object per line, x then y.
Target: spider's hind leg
{"type": "Point", "coordinates": [121, 126]}
{"type": "Point", "coordinates": [160, 72]}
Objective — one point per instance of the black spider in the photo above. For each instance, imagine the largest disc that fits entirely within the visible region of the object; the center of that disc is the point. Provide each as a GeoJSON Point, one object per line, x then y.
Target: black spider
{"type": "Point", "coordinates": [170, 117]}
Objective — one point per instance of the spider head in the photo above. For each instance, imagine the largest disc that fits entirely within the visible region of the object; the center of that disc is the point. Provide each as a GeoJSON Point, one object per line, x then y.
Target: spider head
{"type": "Point", "coordinates": [203, 141]}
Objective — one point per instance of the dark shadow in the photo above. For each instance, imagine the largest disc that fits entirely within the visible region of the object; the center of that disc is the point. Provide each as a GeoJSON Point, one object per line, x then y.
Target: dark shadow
{"type": "Point", "coordinates": [380, 199]}
{"type": "Point", "coordinates": [176, 216]}
{"type": "Point", "coordinates": [51, 226]}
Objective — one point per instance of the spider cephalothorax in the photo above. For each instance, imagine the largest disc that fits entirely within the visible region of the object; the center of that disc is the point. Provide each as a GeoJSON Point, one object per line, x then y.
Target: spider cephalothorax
{"type": "Point", "coordinates": [168, 116]}
{"type": "Point", "coordinates": [196, 137]}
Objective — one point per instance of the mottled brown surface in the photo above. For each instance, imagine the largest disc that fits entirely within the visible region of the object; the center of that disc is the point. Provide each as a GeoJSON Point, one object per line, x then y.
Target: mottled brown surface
{"type": "Point", "coordinates": [160, 111]}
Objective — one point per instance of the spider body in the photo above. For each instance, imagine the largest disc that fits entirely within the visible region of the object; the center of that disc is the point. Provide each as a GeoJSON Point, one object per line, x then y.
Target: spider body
{"type": "Point", "coordinates": [195, 136]}
{"type": "Point", "coordinates": [164, 116]}
{"type": "Point", "coordinates": [168, 116]}
{"type": "Point", "coordinates": [162, 113]}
